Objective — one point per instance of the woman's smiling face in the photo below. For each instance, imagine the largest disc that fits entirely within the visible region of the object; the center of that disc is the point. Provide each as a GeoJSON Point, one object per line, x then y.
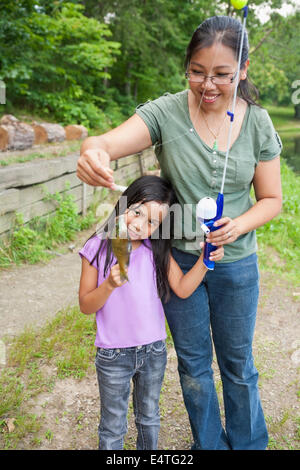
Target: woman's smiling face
{"type": "Point", "coordinates": [216, 60]}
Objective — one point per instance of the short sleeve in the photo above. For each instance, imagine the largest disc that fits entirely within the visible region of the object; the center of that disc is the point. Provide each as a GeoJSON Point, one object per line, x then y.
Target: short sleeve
{"type": "Point", "coordinates": [154, 114]}
{"type": "Point", "coordinates": [270, 141]}
{"type": "Point", "coordinates": [90, 250]}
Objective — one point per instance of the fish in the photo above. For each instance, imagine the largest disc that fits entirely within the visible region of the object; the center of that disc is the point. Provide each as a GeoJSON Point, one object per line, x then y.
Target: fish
{"type": "Point", "coordinates": [121, 246]}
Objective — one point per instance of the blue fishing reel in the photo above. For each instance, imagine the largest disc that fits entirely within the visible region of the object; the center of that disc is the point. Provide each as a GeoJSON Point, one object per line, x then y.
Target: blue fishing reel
{"type": "Point", "coordinates": [208, 211]}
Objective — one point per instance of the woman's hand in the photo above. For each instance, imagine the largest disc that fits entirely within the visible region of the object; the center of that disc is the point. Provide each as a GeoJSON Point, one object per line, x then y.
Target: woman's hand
{"type": "Point", "coordinates": [228, 232]}
{"type": "Point", "coordinates": [114, 279]}
{"type": "Point", "coordinates": [93, 168]}
{"type": "Point", "coordinates": [96, 152]}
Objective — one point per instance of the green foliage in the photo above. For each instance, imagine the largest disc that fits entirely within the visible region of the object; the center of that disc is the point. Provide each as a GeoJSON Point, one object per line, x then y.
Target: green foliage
{"type": "Point", "coordinates": [271, 81]}
{"type": "Point", "coordinates": [276, 57]}
{"type": "Point", "coordinates": [282, 234]}
{"type": "Point", "coordinates": [55, 64]}
{"type": "Point", "coordinates": [33, 242]}
{"type": "Point", "coordinates": [153, 38]}
{"type": "Point", "coordinates": [92, 62]}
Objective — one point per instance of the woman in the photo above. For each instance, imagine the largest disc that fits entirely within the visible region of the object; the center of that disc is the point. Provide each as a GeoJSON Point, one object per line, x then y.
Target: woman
{"type": "Point", "coordinates": [190, 130]}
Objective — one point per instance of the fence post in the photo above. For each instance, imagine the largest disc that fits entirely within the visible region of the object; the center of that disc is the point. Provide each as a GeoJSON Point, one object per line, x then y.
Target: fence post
{"type": "Point", "coordinates": [83, 199]}
{"type": "Point", "coordinates": [2, 92]}
{"type": "Point", "coordinates": [2, 353]}
{"type": "Point", "coordinates": [141, 162]}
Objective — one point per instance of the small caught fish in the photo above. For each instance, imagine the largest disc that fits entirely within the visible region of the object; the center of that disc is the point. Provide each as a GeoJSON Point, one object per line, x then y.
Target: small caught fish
{"type": "Point", "coordinates": [121, 246]}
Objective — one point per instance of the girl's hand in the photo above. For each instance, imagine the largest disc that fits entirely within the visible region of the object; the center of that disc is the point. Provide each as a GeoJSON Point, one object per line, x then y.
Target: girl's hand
{"type": "Point", "coordinates": [114, 279]}
{"type": "Point", "coordinates": [93, 168]}
{"type": "Point", "coordinates": [228, 233]}
{"type": "Point", "coordinates": [216, 255]}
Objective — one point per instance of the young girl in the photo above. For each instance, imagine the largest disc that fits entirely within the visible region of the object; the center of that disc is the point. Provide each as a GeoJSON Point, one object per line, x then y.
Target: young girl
{"type": "Point", "coordinates": [131, 333]}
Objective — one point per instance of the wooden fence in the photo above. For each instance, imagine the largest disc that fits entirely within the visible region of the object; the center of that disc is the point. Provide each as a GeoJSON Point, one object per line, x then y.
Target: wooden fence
{"type": "Point", "coordinates": [24, 186]}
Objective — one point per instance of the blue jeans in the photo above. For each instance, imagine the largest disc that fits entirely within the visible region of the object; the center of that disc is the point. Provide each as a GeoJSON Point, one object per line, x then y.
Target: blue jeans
{"type": "Point", "coordinates": [224, 308]}
{"type": "Point", "coordinates": [145, 365]}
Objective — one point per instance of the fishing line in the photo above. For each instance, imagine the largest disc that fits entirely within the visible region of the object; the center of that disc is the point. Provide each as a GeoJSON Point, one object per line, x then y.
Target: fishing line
{"type": "Point", "coordinates": [198, 109]}
{"type": "Point", "coordinates": [208, 211]}
{"type": "Point", "coordinates": [231, 113]}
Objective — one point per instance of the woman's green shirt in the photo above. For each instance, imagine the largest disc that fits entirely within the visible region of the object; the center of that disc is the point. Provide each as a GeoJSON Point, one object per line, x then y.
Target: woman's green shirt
{"type": "Point", "coordinates": [196, 170]}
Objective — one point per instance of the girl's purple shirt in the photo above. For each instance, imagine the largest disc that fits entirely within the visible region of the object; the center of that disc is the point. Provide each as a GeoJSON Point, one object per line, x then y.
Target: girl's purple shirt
{"type": "Point", "coordinates": [133, 314]}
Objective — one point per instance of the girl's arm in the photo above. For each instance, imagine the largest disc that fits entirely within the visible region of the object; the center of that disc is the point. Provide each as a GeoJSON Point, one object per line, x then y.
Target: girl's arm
{"type": "Point", "coordinates": [267, 187]}
{"type": "Point", "coordinates": [91, 297]}
{"type": "Point", "coordinates": [185, 284]}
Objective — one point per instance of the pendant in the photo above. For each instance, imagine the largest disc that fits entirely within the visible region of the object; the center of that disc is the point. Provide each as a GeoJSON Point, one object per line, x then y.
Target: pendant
{"type": "Point", "coordinates": [215, 145]}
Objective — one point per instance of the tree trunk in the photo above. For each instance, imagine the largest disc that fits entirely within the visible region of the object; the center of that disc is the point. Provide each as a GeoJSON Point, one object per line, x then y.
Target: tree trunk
{"type": "Point", "coordinates": [128, 79]}
{"type": "Point", "coordinates": [14, 134]}
{"type": "Point", "coordinates": [54, 132]}
{"type": "Point", "coordinates": [6, 136]}
{"type": "Point", "coordinates": [105, 79]}
{"type": "Point", "coordinates": [297, 111]}
{"type": "Point", "coordinates": [40, 134]}
{"type": "Point", "coordinates": [76, 132]}
{"type": "Point", "coordinates": [136, 89]}
{"type": "Point", "coordinates": [297, 146]}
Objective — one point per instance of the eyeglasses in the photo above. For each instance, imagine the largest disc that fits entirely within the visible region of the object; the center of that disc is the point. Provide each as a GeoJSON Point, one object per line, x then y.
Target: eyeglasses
{"type": "Point", "coordinates": [199, 77]}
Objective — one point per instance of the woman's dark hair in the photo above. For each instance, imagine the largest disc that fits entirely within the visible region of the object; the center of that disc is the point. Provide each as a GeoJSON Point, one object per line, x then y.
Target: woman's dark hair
{"type": "Point", "coordinates": [144, 189]}
{"type": "Point", "coordinates": [227, 31]}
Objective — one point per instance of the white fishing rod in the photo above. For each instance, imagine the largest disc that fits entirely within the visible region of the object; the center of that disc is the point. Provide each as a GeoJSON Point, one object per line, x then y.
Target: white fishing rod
{"type": "Point", "coordinates": [208, 210]}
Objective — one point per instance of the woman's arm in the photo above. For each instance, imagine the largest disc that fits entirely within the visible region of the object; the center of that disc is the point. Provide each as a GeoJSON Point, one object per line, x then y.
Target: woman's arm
{"type": "Point", "coordinates": [267, 187]}
{"type": "Point", "coordinates": [185, 284]}
{"type": "Point", "coordinates": [96, 152]}
{"type": "Point", "coordinates": [91, 297]}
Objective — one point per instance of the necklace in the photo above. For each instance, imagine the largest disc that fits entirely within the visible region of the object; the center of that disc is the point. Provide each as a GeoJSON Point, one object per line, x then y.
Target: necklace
{"type": "Point", "coordinates": [216, 135]}
{"type": "Point", "coordinates": [215, 144]}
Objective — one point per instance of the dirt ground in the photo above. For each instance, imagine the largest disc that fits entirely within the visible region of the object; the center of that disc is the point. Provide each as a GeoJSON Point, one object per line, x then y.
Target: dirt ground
{"type": "Point", "coordinates": [34, 294]}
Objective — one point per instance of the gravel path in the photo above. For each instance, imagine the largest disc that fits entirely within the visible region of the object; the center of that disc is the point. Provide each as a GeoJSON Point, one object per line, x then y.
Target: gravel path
{"type": "Point", "coordinates": [34, 294]}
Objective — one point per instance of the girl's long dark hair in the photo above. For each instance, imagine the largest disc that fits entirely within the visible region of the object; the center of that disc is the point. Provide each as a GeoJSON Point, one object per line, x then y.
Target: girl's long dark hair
{"type": "Point", "coordinates": [144, 189]}
{"type": "Point", "coordinates": [227, 31]}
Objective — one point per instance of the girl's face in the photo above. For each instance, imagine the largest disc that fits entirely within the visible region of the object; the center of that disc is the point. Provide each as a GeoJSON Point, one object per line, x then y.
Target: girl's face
{"type": "Point", "coordinates": [142, 219]}
{"type": "Point", "coordinates": [216, 60]}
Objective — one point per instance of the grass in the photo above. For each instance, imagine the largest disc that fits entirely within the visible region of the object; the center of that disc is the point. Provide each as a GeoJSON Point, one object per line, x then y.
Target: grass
{"type": "Point", "coordinates": [50, 151]}
{"type": "Point", "coordinates": [36, 240]}
{"type": "Point", "coordinates": [279, 239]}
{"type": "Point", "coordinates": [65, 345]}
{"type": "Point", "coordinates": [68, 341]}
{"type": "Point", "coordinates": [283, 119]}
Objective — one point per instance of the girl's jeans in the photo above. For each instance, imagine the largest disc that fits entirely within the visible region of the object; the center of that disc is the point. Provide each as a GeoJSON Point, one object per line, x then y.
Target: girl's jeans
{"type": "Point", "coordinates": [226, 301]}
{"type": "Point", "coordinates": [115, 369]}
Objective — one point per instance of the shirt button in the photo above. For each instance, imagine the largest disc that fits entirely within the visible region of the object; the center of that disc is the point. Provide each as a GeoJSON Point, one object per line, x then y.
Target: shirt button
{"type": "Point", "coordinates": [214, 172]}
{"type": "Point", "coordinates": [215, 161]}
{"type": "Point", "coordinates": [214, 152]}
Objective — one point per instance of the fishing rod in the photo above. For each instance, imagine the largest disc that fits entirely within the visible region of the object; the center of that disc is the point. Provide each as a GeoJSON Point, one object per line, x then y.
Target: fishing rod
{"type": "Point", "coordinates": [208, 211]}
